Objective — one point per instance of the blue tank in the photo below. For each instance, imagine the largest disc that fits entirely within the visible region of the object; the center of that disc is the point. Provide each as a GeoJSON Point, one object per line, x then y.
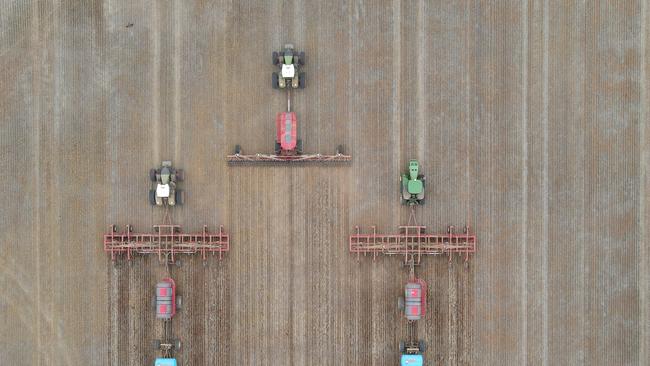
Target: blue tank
{"type": "Point", "coordinates": [165, 362]}
{"type": "Point", "coordinates": [412, 360]}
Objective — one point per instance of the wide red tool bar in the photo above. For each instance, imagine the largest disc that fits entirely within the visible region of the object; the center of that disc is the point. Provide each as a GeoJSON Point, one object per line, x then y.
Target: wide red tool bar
{"type": "Point", "coordinates": [412, 242]}
{"type": "Point", "coordinates": [261, 158]}
{"type": "Point", "coordinates": [167, 241]}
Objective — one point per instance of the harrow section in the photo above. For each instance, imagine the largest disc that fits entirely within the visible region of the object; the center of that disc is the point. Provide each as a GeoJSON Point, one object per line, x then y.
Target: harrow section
{"type": "Point", "coordinates": [270, 158]}
{"type": "Point", "coordinates": [167, 241]}
{"type": "Point", "coordinates": [412, 242]}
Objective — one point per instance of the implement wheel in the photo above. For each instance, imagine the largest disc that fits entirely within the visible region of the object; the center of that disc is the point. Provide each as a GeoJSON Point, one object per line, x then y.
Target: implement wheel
{"type": "Point", "coordinates": [237, 149]}
{"type": "Point", "coordinates": [422, 346]}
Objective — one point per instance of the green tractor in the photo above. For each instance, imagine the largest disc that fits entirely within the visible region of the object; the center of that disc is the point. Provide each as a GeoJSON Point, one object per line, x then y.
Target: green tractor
{"type": "Point", "coordinates": [412, 185]}
{"type": "Point", "coordinates": [289, 63]}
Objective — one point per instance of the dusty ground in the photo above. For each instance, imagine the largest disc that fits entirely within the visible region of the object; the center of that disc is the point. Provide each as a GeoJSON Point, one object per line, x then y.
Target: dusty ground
{"type": "Point", "coordinates": [529, 117]}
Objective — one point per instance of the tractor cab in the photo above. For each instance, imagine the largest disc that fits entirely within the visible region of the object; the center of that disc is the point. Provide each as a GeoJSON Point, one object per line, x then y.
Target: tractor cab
{"type": "Point", "coordinates": [165, 362]}
{"type": "Point", "coordinates": [288, 71]}
{"type": "Point", "coordinates": [412, 185]}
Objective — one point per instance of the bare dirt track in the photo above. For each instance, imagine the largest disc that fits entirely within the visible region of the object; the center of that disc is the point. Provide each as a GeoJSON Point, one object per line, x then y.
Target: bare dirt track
{"type": "Point", "coordinates": [529, 118]}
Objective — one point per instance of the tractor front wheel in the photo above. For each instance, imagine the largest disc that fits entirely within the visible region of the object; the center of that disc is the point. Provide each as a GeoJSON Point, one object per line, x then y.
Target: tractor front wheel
{"type": "Point", "coordinates": [180, 175]}
{"type": "Point", "coordinates": [402, 347]}
{"type": "Point", "coordinates": [156, 344]}
{"type": "Point", "coordinates": [276, 58]}
{"type": "Point", "coordinates": [152, 175]}
{"type": "Point", "coordinates": [301, 58]}
{"type": "Point", "coordinates": [152, 197]}
{"type": "Point", "coordinates": [400, 303]}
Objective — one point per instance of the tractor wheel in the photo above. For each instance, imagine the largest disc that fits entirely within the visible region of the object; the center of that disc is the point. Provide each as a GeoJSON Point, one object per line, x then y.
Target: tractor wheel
{"type": "Point", "coordinates": [180, 197]}
{"type": "Point", "coordinates": [237, 149]}
{"type": "Point", "coordinates": [402, 347]}
{"type": "Point", "coordinates": [400, 303]}
{"type": "Point", "coordinates": [276, 57]}
{"type": "Point", "coordinates": [156, 344]}
{"type": "Point", "coordinates": [180, 175]}
{"type": "Point", "coordinates": [153, 302]}
{"type": "Point", "coordinates": [152, 197]}
{"type": "Point", "coordinates": [422, 346]}
{"type": "Point", "coordinates": [274, 81]}
{"type": "Point", "coordinates": [299, 146]}
{"type": "Point", "coordinates": [301, 80]}
{"type": "Point", "coordinates": [179, 302]}
{"type": "Point", "coordinates": [301, 58]}
{"type": "Point", "coordinates": [152, 175]}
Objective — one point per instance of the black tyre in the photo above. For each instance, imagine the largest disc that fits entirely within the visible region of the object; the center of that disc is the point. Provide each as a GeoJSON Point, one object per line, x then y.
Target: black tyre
{"type": "Point", "coordinates": [153, 302]}
{"type": "Point", "coordinates": [276, 58]}
{"type": "Point", "coordinates": [156, 344]}
{"type": "Point", "coordinates": [152, 175]}
{"type": "Point", "coordinates": [177, 344]}
{"type": "Point", "coordinates": [179, 302]}
{"type": "Point", "coordinates": [237, 149]}
{"type": "Point", "coordinates": [301, 80]}
{"type": "Point", "coordinates": [180, 175]}
{"type": "Point", "coordinates": [299, 146]}
{"type": "Point", "coordinates": [339, 149]}
{"type": "Point", "coordinates": [278, 147]}
{"type": "Point", "coordinates": [400, 303]}
{"type": "Point", "coordinates": [180, 197]}
{"type": "Point", "coordinates": [301, 58]}
{"type": "Point", "coordinates": [152, 197]}
{"type": "Point", "coordinates": [422, 346]}
{"type": "Point", "coordinates": [274, 81]}
{"type": "Point", "coordinates": [402, 347]}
